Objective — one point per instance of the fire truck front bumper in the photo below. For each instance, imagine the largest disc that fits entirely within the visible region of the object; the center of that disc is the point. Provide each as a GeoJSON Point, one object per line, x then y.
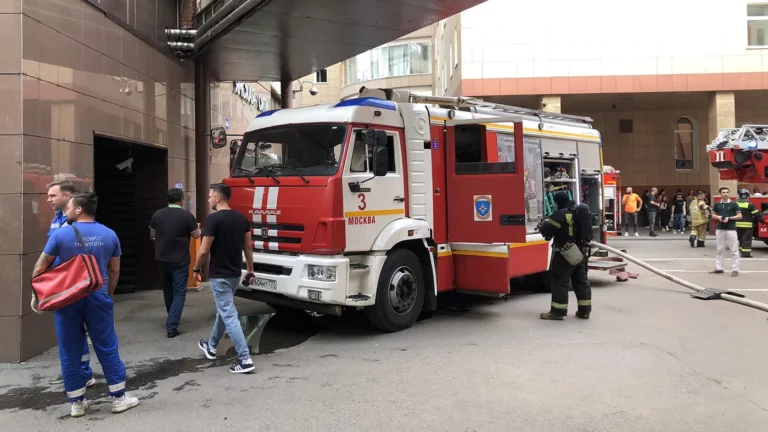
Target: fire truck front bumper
{"type": "Point", "coordinates": [312, 282]}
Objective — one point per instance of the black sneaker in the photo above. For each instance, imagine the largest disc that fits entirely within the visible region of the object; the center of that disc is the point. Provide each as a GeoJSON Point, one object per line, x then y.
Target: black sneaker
{"type": "Point", "coordinates": [653, 234]}
{"type": "Point", "coordinates": [735, 274]}
{"type": "Point", "coordinates": [717, 272]}
{"type": "Point", "coordinates": [242, 368]}
{"type": "Point", "coordinates": [173, 333]}
{"type": "Point", "coordinates": [209, 353]}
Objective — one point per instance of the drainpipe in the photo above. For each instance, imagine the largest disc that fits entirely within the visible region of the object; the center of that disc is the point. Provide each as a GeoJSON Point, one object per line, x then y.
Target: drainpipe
{"type": "Point", "coordinates": [202, 137]}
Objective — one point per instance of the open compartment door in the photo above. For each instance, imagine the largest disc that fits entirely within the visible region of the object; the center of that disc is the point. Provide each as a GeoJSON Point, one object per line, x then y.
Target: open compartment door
{"type": "Point", "coordinates": [485, 187]}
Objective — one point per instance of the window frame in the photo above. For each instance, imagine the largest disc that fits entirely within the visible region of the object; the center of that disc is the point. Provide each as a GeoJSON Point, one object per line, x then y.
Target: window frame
{"type": "Point", "coordinates": [318, 76]}
{"type": "Point", "coordinates": [756, 18]}
{"type": "Point", "coordinates": [395, 155]}
{"type": "Point", "coordinates": [694, 157]}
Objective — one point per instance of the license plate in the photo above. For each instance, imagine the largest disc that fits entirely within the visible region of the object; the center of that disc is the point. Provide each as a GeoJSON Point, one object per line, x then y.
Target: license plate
{"type": "Point", "coordinates": [267, 284]}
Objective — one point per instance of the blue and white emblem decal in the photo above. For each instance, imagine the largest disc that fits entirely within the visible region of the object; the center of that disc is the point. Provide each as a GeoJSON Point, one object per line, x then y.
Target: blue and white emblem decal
{"type": "Point", "coordinates": [483, 208]}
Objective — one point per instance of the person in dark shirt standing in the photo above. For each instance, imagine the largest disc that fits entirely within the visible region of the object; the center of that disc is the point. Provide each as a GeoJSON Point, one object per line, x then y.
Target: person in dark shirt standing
{"type": "Point", "coordinates": [226, 237]}
{"type": "Point", "coordinates": [170, 229]}
{"type": "Point", "coordinates": [652, 210]}
{"type": "Point", "coordinates": [678, 213]}
{"type": "Point", "coordinates": [726, 213]}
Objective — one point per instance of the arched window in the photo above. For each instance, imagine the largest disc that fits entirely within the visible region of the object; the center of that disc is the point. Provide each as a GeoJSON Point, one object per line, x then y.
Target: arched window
{"type": "Point", "coordinates": [686, 148]}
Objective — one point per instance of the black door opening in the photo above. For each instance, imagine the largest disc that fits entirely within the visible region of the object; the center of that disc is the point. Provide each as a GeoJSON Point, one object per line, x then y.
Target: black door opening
{"type": "Point", "coordinates": [130, 180]}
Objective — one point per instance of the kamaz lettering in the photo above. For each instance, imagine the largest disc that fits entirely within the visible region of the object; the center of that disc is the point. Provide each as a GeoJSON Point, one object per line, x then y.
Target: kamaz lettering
{"type": "Point", "coordinates": [264, 212]}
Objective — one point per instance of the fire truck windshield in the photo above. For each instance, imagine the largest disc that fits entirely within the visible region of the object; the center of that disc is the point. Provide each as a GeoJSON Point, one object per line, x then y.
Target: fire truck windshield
{"type": "Point", "coordinates": [291, 150]}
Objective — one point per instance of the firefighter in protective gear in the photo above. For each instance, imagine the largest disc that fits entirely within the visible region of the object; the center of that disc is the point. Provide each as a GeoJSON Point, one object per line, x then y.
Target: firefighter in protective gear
{"type": "Point", "coordinates": [699, 220]}
{"type": "Point", "coordinates": [569, 224]}
{"type": "Point", "coordinates": [745, 227]}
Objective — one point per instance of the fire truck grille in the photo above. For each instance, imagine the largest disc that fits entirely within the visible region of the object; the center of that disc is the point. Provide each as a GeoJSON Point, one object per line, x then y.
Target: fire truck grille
{"type": "Point", "coordinates": [270, 269]}
{"type": "Point", "coordinates": [266, 234]}
{"type": "Point", "coordinates": [278, 227]}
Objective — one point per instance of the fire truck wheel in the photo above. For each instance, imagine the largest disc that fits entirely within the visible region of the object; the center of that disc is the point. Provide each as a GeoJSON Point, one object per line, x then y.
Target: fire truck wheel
{"type": "Point", "coordinates": [400, 294]}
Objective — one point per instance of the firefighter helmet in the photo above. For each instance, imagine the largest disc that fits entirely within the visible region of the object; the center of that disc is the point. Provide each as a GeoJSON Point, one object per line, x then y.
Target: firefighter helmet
{"type": "Point", "coordinates": [743, 194]}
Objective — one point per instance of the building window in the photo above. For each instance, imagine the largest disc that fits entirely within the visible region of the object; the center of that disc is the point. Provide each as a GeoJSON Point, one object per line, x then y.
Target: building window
{"type": "Point", "coordinates": [321, 76]}
{"type": "Point", "coordinates": [626, 126]}
{"type": "Point", "coordinates": [450, 65]}
{"type": "Point", "coordinates": [686, 133]}
{"type": "Point", "coordinates": [455, 49]}
{"type": "Point", "coordinates": [400, 58]}
{"type": "Point", "coordinates": [757, 25]}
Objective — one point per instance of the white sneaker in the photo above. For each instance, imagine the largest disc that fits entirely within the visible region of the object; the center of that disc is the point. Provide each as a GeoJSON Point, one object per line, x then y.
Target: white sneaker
{"type": "Point", "coordinates": [637, 234]}
{"type": "Point", "coordinates": [78, 408]}
{"type": "Point", "coordinates": [626, 234]}
{"type": "Point", "coordinates": [124, 403]}
{"type": "Point", "coordinates": [90, 382]}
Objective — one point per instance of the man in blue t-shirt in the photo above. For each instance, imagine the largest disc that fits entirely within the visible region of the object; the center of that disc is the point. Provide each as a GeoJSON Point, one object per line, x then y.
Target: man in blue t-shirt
{"type": "Point", "coordinates": [59, 194]}
{"type": "Point", "coordinates": [96, 311]}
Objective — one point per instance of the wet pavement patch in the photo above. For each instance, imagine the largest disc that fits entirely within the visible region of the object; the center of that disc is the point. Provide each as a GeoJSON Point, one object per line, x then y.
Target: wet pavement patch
{"type": "Point", "coordinates": [143, 376]}
{"type": "Point", "coordinates": [283, 330]}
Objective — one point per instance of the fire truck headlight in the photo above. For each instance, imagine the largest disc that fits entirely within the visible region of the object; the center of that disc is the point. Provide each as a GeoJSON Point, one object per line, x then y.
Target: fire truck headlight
{"type": "Point", "coordinates": [322, 273]}
{"type": "Point", "coordinates": [753, 144]}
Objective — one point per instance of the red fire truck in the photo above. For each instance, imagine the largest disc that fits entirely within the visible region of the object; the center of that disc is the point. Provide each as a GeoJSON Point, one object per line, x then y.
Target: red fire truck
{"type": "Point", "coordinates": [385, 200]}
{"type": "Point", "coordinates": [741, 154]}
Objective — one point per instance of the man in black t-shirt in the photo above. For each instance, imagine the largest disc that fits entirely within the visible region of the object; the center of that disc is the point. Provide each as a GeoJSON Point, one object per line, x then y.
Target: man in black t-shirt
{"type": "Point", "coordinates": [678, 212]}
{"type": "Point", "coordinates": [226, 236]}
{"type": "Point", "coordinates": [170, 229]}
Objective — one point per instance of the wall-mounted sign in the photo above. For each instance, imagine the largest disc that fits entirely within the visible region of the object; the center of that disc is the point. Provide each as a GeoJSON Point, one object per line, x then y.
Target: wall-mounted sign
{"type": "Point", "coordinates": [249, 95]}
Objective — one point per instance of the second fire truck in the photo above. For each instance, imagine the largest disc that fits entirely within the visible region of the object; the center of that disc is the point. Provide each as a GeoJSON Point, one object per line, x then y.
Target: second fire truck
{"type": "Point", "coordinates": [385, 200]}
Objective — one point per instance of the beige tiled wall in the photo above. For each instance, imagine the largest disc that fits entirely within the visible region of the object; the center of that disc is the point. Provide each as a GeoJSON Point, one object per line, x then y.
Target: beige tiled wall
{"type": "Point", "coordinates": [64, 69]}
{"type": "Point", "coordinates": [328, 92]}
{"type": "Point", "coordinates": [646, 157]}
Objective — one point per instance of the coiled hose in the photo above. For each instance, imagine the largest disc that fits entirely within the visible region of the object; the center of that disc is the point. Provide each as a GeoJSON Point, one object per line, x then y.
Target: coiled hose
{"type": "Point", "coordinates": [690, 286]}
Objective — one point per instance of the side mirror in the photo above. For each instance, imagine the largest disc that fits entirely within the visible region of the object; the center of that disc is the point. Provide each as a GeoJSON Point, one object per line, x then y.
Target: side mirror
{"type": "Point", "coordinates": [380, 160]}
{"type": "Point", "coordinates": [218, 137]}
{"type": "Point", "coordinates": [234, 146]}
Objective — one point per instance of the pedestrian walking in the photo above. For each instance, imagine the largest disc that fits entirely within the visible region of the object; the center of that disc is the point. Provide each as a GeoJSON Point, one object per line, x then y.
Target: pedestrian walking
{"type": "Point", "coordinates": [726, 213]}
{"type": "Point", "coordinates": [750, 215]}
{"type": "Point", "coordinates": [59, 194]}
{"type": "Point", "coordinates": [96, 311]}
{"type": "Point", "coordinates": [652, 210]}
{"type": "Point", "coordinates": [678, 213]}
{"type": "Point", "coordinates": [170, 228]}
{"type": "Point", "coordinates": [632, 205]}
{"type": "Point", "coordinates": [699, 220]}
{"type": "Point", "coordinates": [226, 237]}
{"type": "Point", "coordinates": [571, 228]}
{"type": "Point", "coordinates": [665, 213]}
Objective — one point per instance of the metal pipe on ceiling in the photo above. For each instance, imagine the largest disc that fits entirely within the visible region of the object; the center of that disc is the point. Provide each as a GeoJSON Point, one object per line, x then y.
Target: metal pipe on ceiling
{"type": "Point", "coordinates": [224, 11]}
{"type": "Point", "coordinates": [245, 8]}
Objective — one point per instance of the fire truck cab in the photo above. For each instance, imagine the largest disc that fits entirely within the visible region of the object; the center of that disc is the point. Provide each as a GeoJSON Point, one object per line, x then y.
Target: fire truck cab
{"type": "Point", "coordinates": [742, 154]}
{"type": "Point", "coordinates": [386, 200]}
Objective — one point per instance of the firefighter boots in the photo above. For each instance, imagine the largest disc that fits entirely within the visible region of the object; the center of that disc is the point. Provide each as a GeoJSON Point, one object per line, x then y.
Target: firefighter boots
{"type": "Point", "coordinates": [583, 314]}
{"type": "Point", "coordinates": [699, 243]}
{"type": "Point", "coordinates": [552, 317]}
{"type": "Point", "coordinates": [692, 240]}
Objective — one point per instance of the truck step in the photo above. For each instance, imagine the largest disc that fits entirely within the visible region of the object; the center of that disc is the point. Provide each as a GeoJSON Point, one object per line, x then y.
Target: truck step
{"type": "Point", "coordinates": [358, 268]}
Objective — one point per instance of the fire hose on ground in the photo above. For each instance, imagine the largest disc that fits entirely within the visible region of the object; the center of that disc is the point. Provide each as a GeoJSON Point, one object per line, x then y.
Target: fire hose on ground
{"type": "Point", "coordinates": [722, 294]}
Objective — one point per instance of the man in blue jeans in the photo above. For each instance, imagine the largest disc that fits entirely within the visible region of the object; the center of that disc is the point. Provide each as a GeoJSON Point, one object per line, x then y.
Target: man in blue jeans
{"type": "Point", "coordinates": [59, 194]}
{"type": "Point", "coordinates": [226, 237]}
{"type": "Point", "coordinates": [677, 223]}
{"type": "Point", "coordinates": [170, 229]}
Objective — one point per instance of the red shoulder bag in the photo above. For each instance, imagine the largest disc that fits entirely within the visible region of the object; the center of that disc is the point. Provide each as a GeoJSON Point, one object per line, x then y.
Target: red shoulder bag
{"type": "Point", "coordinates": [68, 282]}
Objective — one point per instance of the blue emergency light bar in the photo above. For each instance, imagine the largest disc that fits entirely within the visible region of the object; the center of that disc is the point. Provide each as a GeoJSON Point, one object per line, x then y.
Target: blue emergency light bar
{"type": "Point", "coordinates": [368, 102]}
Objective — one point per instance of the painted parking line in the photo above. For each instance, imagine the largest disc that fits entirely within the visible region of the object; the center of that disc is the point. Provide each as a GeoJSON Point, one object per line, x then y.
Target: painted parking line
{"type": "Point", "coordinates": [700, 259]}
{"type": "Point", "coordinates": [707, 271]}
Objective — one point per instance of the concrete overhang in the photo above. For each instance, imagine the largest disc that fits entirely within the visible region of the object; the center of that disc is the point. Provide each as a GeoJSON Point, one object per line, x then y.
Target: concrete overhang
{"type": "Point", "coordinates": [292, 38]}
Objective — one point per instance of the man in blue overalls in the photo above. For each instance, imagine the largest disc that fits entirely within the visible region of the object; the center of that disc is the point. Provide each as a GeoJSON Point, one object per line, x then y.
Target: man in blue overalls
{"type": "Point", "coordinates": [59, 194]}
{"type": "Point", "coordinates": [96, 310]}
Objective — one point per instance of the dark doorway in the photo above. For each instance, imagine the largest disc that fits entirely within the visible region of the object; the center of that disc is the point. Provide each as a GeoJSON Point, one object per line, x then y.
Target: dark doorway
{"type": "Point", "coordinates": [130, 191]}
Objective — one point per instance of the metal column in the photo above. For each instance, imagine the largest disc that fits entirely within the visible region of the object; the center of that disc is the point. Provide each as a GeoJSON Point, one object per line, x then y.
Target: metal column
{"type": "Point", "coordinates": [202, 138]}
{"type": "Point", "coordinates": [286, 93]}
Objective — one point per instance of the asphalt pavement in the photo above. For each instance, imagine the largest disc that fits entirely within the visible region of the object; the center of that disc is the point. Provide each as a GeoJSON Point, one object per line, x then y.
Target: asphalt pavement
{"type": "Point", "coordinates": [651, 358]}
